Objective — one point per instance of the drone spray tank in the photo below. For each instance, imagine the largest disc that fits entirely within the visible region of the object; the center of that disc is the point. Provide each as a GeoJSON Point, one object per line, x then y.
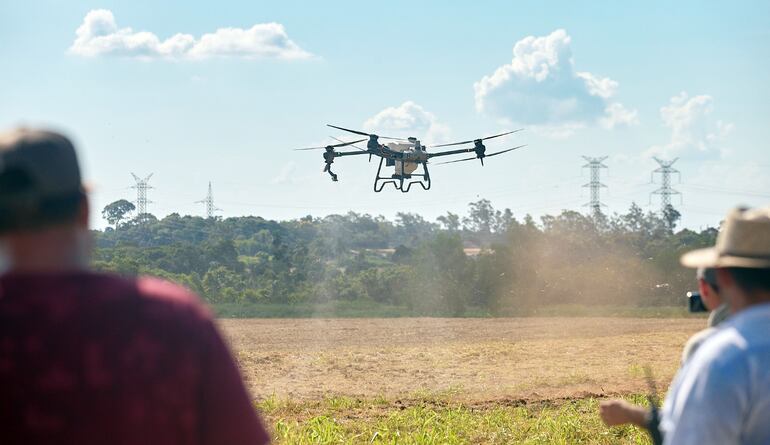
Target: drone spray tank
{"type": "Point", "coordinates": [403, 167]}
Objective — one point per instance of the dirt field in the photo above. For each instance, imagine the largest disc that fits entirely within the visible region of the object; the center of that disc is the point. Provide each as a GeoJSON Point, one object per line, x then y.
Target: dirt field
{"type": "Point", "coordinates": [476, 360]}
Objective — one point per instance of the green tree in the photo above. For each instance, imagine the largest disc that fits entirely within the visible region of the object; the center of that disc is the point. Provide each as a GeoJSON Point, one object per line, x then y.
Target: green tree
{"type": "Point", "coordinates": [221, 284]}
{"type": "Point", "coordinates": [413, 227]}
{"type": "Point", "coordinates": [505, 221]}
{"type": "Point", "coordinates": [566, 258]}
{"type": "Point", "coordinates": [481, 217]}
{"type": "Point", "coordinates": [402, 254]}
{"type": "Point", "coordinates": [450, 221]}
{"type": "Point", "coordinates": [444, 276]}
{"type": "Point", "coordinates": [671, 216]}
{"type": "Point", "coordinates": [117, 211]}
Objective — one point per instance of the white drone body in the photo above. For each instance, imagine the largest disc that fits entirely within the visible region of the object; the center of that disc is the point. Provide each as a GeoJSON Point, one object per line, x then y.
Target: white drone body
{"type": "Point", "coordinates": [410, 151]}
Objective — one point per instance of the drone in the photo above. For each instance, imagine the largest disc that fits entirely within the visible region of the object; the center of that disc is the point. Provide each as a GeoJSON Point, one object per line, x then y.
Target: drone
{"type": "Point", "coordinates": [404, 155]}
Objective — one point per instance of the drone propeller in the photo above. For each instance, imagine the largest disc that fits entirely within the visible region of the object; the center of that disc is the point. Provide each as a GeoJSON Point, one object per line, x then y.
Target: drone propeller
{"type": "Point", "coordinates": [474, 140]}
{"type": "Point", "coordinates": [363, 134]}
{"type": "Point", "coordinates": [482, 158]}
{"type": "Point", "coordinates": [352, 144]}
{"type": "Point", "coordinates": [341, 144]}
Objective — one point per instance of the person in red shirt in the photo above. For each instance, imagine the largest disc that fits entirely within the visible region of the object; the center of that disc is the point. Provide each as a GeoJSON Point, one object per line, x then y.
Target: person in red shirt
{"type": "Point", "coordinates": [89, 358]}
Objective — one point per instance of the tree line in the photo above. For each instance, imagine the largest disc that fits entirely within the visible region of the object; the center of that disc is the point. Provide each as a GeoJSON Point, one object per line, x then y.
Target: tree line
{"type": "Point", "coordinates": [487, 259]}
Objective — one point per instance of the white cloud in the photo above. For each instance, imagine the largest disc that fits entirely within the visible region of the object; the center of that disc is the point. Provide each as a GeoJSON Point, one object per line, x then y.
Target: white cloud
{"type": "Point", "coordinates": [694, 132]}
{"type": "Point", "coordinates": [604, 88]}
{"type": "Point", "coordinates": [408, 119]}
{"type": "Point", "coordinates": [617, 115]}
{"type": "Point", "coordinates": [541, 88]}
{"type": "Point", "coordinates": [99, 35]}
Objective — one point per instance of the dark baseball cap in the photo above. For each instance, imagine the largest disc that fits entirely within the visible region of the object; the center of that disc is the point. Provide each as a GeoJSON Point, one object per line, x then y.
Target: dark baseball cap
{"type": "Point", "coordinates": [40, 179]}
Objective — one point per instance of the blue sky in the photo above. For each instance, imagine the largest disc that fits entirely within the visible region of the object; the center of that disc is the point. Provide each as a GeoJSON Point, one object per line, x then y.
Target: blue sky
{"type": "Point", "coordinates": [248, 81]}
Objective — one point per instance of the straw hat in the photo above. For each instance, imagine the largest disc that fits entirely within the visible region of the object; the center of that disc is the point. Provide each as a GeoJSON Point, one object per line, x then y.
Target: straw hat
{"type": "Point", "coordinates": [744, 241]}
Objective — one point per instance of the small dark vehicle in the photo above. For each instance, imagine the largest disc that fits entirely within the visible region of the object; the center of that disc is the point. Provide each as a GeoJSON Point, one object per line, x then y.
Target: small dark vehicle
{"type": "Point", "coordinates": [695, 302]}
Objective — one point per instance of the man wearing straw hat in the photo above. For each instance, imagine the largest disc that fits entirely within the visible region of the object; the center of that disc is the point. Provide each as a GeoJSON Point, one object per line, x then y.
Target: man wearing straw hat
{"type": "Point", "coordinates": [620, 412]}
{"type": "Point", "coordinates": [722, 394]}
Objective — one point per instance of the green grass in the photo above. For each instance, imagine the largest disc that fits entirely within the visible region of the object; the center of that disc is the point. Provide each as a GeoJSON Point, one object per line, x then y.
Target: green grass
{"type": "Point", "coordinates": [437, 420]}
{"type": "Point", "coordinates": [370, 309]}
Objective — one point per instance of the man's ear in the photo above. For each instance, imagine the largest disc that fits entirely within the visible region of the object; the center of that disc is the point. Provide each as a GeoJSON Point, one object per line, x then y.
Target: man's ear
{"type": "Point", "coordinates": [702, 286]}
{"type": "Point", "coordinates": [84, 211]}
{"type": "Point", "coordinates": [710, 297]}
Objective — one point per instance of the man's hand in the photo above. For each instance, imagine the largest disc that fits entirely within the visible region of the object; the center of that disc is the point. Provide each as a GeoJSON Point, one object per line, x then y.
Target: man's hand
{"type": "Point", "coordinates": [620, 412]}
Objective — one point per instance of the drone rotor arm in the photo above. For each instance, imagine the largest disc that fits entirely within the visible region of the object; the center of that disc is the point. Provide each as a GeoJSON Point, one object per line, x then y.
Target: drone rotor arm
{"type": "Point", "coordinates": [450, 152]}
{"type": "Point", "coordinates": [339, 154]}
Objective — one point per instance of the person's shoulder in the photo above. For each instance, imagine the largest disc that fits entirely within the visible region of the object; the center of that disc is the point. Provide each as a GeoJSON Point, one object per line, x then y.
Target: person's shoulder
{"type": "Point", "coordinates": [161, 292]}
{"type": "Point", "coordinates": [158, 297]}
{"type": "Point", "coordinates": [730, 347]}
{"type": "Point", "coordinates": [725, 342]}
{"type": "Point", "coordinates": [745, 330]}
{"type": "Point", "coordinates": [694, 343]}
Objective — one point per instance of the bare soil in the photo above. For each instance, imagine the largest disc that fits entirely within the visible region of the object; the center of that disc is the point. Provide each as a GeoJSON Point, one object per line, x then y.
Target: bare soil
{"type": "Point", "coordinates": [474, 360]}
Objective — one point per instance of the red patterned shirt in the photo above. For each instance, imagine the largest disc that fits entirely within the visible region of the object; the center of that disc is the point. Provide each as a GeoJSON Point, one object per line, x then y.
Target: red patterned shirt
{"type": "Point", "coordinates": [89, 358]}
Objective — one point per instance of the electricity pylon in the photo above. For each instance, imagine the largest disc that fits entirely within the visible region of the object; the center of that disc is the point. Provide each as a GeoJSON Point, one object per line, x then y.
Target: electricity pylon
{"type": "Point", "coordinates": [595, 165]}
{"type": "Point", "coordinates": [142, 185]}
{"type": "Point", "coordinates": [665, 191]}
{"type": "Point", "coordinates": [209, 201]}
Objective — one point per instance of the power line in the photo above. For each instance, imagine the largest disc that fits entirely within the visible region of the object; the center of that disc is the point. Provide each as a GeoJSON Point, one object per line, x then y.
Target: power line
{"type": "Point", "coordinates": [726, 191]}
{"type": "Point", "coordinates": [209, 201]}
{"type": "Point", "coordinates": [142, 185]}
{"type": "Point", "coordinates": [595, 165]}
{"type": "Point", "coordinates": [665, 191]}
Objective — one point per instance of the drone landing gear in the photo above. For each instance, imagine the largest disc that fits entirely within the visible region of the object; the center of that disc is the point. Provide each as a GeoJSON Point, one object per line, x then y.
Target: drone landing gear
{"type": "Point", "coordinates": [398, 179]}
{"type": "Point", "coordinates": [328, 169]}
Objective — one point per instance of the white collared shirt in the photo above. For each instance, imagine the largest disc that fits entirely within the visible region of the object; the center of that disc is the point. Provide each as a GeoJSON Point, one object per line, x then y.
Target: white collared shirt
{"type": "Point", "coordinates": [722, 395]}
